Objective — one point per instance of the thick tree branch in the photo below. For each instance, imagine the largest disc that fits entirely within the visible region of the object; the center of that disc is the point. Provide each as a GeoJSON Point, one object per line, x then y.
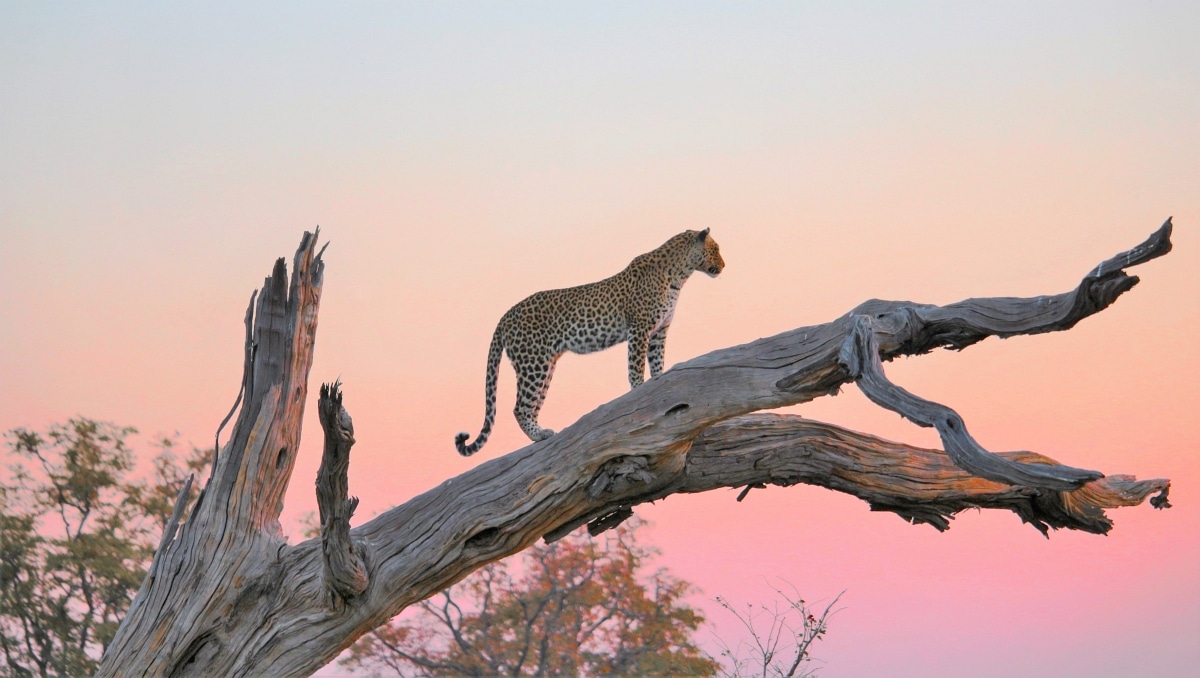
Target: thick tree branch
{"type": "Point", "coordinates": [230, 598]}
{"type": "Point", "coordinates": [920, 485]}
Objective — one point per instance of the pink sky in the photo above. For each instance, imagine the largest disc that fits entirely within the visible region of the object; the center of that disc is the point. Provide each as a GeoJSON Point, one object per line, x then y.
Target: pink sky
{"type": "Point", "coordinates": [154, 162]}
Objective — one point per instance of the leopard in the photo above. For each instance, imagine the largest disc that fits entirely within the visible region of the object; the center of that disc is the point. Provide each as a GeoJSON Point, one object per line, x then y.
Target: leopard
{"type": "Point", "coordinates": [636, 305]}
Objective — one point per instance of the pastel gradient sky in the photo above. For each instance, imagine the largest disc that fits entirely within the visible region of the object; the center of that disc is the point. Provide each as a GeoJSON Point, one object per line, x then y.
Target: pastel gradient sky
{"type": "Point", "coordinates": [154, 160]}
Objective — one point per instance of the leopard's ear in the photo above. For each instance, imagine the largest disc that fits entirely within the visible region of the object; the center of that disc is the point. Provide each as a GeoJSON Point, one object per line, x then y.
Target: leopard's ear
{"type": "Point", "coordinates": [702, 235]}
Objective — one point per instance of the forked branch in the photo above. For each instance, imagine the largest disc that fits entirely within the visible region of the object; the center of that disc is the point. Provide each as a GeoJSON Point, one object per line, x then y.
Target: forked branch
{"type": "Point", "coordinates": [860, 357]}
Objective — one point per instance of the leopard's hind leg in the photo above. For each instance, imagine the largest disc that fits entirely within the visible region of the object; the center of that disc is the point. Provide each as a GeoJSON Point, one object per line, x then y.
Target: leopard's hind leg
{"type": "Point", "coordinates": [533, 380]}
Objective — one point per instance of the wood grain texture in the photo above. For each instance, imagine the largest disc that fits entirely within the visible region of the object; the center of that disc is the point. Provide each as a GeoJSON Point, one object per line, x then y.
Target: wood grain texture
{"type": "Point", "coordinates": [226, 596]}
{"type": "Point", "coordinates": [345, 573]}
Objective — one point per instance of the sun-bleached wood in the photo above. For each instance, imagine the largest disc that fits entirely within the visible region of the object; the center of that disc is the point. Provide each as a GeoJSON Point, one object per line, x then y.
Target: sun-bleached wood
{"type": "Point", "coordinates": [226, 595]}
{"type": "Point", "coordinates": [345, 572]}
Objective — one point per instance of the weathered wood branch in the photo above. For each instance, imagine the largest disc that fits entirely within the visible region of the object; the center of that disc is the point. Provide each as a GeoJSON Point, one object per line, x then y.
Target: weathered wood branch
{"type": "Point", "coordinates": [860, 357]}
{"type": "Point", "coordinates": [345, 573]}
{"type": "Point", "coordinates": [922, 486]}
{"type": "Point", "coordinates": [227, 596]}
{"type": "Point", "coordinates": [212, 589]}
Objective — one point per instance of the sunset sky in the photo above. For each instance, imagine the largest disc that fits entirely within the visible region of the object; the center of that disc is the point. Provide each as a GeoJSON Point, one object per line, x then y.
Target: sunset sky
{"type": "Point", "coordinates": [155, 159]}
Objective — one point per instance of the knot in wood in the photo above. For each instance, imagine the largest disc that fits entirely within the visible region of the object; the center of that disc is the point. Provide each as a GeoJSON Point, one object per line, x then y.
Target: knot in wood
{"type": "Point", "coordinates": [858, 346]}
{"type": "Point", "coordinates": [619, 474]}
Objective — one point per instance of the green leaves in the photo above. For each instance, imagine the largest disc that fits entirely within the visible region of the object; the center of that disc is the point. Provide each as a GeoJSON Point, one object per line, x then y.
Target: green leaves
{"type": "Point", "coordinates": [76, 536]}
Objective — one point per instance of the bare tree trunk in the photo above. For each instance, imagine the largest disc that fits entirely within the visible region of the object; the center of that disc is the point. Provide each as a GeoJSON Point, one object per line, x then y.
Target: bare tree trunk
{"type": "Point", "coordinates": [227, 596]}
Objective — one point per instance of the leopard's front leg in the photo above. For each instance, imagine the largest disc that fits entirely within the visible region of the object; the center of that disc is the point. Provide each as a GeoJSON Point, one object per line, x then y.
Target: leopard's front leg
{"type": "Point", "coordinates": [657, 353]}
{"type": "Point", "coordinates": [639, 341]}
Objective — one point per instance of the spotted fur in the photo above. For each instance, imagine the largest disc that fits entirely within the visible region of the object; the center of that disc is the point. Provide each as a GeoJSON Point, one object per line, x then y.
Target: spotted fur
{"type": "Point", "coordinates": [635, 305]}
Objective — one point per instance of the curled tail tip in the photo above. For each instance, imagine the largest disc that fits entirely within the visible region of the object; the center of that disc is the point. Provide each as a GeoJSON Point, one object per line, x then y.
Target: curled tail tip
{"type": "Point", "coordinates": [460, 441]}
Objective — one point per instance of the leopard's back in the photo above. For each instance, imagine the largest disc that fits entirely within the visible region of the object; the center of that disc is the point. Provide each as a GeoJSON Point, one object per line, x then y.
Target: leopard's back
{"type": "Point", "coordinates": [582, 319]}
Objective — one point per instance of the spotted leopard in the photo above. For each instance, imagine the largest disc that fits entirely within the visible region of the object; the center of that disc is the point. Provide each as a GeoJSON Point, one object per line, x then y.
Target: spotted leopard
{"type": "Point", "coordinates": [635, 305]}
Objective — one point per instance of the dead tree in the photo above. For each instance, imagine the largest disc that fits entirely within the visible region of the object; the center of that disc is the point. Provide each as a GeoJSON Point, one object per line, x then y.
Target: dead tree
{"type": "Point", "coordinates": [226, 595]}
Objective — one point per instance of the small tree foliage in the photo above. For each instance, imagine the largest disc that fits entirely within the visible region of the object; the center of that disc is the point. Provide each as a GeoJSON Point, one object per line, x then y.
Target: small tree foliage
{"type": "Point", "coordinates": [76, 535]}
{"type": "Point", "coordinates": [580, 607]}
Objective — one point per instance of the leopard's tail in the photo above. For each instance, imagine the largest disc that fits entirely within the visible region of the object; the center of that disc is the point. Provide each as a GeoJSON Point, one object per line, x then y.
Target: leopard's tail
{"type": "Point", "coordinates": [489, 392]}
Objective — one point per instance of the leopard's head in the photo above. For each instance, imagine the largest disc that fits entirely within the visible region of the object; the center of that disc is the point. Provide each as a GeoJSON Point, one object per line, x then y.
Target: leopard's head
{"type": "Point", "coordinates": [707, 255]}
